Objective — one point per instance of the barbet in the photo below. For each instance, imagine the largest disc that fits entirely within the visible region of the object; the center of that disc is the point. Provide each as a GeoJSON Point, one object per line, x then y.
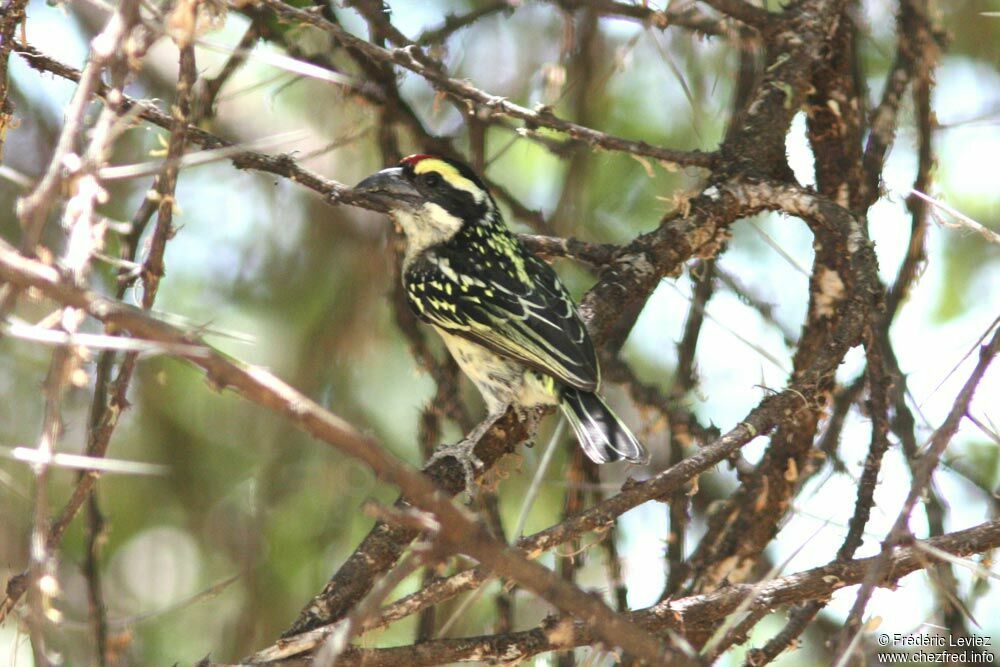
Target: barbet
{"type": "Point", "coordinates": [502, 312]}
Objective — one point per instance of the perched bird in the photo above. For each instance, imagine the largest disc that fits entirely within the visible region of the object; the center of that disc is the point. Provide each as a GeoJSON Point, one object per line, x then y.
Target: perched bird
{"type": "Point", "coordinates": [502, 312]}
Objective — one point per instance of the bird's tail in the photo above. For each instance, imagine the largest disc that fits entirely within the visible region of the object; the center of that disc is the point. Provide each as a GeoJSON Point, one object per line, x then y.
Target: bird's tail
{"type": "Point", "coordinates": [601, 433]}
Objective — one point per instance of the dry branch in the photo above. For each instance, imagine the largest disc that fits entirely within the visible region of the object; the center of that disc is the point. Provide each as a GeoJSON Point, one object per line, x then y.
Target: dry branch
{"type": "Point", "coordinates": [690, 614]}
{"type": "Point", "coordinates": [457, 531]}
{"type": "Point", "coordinates": [415, 60]}
{"type": "Point", "coordinates": [811, 63]}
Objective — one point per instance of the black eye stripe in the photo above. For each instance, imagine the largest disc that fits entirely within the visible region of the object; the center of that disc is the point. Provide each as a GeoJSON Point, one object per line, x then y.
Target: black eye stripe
{"type": "Point", "coordinates": [432, 179]}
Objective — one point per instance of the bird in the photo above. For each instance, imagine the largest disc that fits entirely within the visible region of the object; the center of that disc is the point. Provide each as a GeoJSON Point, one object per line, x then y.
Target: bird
{"type": "Point", "coordinates": [502, 312]}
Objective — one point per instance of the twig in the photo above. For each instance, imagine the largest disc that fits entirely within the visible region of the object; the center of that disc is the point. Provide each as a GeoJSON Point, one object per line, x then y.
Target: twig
{"type": "Point", "coordinates": [78, 462]}
{"type": "Point", "coordinates": [683, 615]}
{"type": "Point", "coordinates": [105, 413]}
{"type": "Point", "coordinates": [800, 617]}
{"type": "Point", "coordinates": [454, 22]}
{"type": "Point", "coordinates": [916, 254]}
{"type": "Point", "coordinates": [338, 641]}
{"type": "Point", "coordinates": [282, 165]}
{"type": "Point", "coordinates": [413, 59]}
{"type": "Point", "coordinates": [687, 16]}
{"type": "Point", "coordinates": [595, 519]}
{"type": "Point", "coordinates": [685, 380]}
{"type": "Point", "coordinates": [899, 531]}
{"type": "Point", "coordinates": [748, 522]}
{"type": "Point", "coordinates": [34, 208]}
{"type": "Point", "coordinates": [918, 44]}
{"type": "Point", "coordinates": [458, 531]}
{"type": "Point", "coordinates": [209, 92]}
{"type": "Point", "coordinates": [13, 16]}
{"type": "Point", "coordinates": [743, 11]}
{"type": "Point", "coordinates": [878, 392]}
{"type": "Point", "coordinates": [595, 254]}
{"type": "Point", "coordinates": [964, 221]}
{"type": "Point", "coordinates": [42, 583]}
{"type": "Point", "coordinates": [166, 182]}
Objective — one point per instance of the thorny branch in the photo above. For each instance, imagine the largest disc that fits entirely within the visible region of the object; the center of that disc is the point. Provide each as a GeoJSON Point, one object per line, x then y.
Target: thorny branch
{"type": "Point", "coordinates": [899, 533]}
{"type": "Point", "coordinates": [811, 62]}
{"type": "Point", "coordinates": [685, 614]}
{"type": "Point", "coordinates": [456, 531]}
{"type": "Point", "coordinates": [13, 17]}
{"type": "Point", "coordinates": [110, 396]}
{"type": "Point", "coordinates": [413, 59]}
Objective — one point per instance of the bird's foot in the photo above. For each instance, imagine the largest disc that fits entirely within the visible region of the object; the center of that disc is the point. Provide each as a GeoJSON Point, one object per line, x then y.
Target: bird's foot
{"type": "Point", "coordinates": [464, 453]}
{"type": "Point", "coordinates": [530, 417]}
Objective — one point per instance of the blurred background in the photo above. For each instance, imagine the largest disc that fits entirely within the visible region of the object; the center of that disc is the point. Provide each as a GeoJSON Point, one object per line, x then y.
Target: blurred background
{"type": "Point", "coordinates": [307, 286]}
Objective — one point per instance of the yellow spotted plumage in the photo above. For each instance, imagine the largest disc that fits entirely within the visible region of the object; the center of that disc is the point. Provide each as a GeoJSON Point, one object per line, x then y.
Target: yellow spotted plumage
{"type": "Point", "coordinates": [503, 313]}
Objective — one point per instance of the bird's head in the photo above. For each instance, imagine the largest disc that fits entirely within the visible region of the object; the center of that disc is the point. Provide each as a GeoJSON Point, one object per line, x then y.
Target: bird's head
{"type": "Point", "coordinates": [431, 198]}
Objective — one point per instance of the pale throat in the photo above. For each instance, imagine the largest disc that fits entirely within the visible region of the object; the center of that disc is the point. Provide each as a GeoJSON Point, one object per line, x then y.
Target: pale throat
{"type": "Point", "coordinates": [424, 227]}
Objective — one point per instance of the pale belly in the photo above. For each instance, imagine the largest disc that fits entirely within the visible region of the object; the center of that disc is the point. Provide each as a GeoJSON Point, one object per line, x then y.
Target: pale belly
{"type": "Point", "coordinates": [500, 380]}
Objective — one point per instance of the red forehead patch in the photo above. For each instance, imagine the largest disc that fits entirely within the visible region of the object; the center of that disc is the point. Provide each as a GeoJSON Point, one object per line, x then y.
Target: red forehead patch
{"type": "Point", "coordinates": [412, 160]}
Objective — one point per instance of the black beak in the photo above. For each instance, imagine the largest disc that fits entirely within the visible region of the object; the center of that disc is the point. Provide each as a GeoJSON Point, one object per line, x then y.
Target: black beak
{"type": "Point", "coordinates": [389, 184]}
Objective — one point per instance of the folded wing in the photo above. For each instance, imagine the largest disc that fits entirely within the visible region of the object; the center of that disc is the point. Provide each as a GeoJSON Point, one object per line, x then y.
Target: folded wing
{"type": "Point", "coordinates": [515, 306]}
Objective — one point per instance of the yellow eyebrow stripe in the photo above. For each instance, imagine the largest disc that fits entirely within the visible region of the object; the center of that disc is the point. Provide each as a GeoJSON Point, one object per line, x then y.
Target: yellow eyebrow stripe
{"type": "Point", "coordinates": [449, 174]}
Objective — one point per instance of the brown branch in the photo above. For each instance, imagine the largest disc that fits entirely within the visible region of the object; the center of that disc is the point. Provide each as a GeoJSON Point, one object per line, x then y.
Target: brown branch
{"type": "Point", "coordinates": [13, 16]}
{"type": "Point", "coordinates": [799, 619]}
{"type": "Point", "coordinates": [207, 95]}
{"type": "Point", "coordinates": [834, 115]}
{"type": "Point", "coordinates": [737, 634]}
{"type": "Point", "coordinates": [596, 519]}
{"type": "Point", "coordinates": [844, 397]}
{"type": "Point", "coordinates": [457, 531]}
{"type": "Point", "coordinates": [752, 15]}
{"type": "Point", "coordinates": [105, 413]}
{"type": "Point", "coordinates": [916, 254]}
{"type": "Point", "coordinates": [280, 165]}
{"type": "Point", "coordinates": [548, 247]}
{"type": "Point", "coordinates": [689, 17]}
{"type": "Point", "coordinates": [921, 479]}
{"type": "Point", "coordinates": [878, 404]}
{"type": "Point", "coordinates": [684, 615]}
{"type": "Point", "coordinates": [835, 124]}
{"type": "Point", "coordinates": [454, 22]}
{"type": "Point", "coordinates": [747, 523]}
{"type": "Point", "coordinates": [635, 270]}
{"type": "Point", "coordinates": [166, 183]}
{"type": "Point", "coordinates": [413, 59]}
{"type": "Point", "coordinates": [740, 530]}
{"type": "Point", "coordinates": [685, 380]}
{"type": "Point", "coordinates": [376, 13]}
{"type": "Point", "coordinates": [918, 44]}
{"type": "Point", "coordinates": [335, 646]}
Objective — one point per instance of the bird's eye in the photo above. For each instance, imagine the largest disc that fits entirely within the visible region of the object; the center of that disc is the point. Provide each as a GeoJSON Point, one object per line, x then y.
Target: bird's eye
{"type": "Point", "coordinates": [432, 179]}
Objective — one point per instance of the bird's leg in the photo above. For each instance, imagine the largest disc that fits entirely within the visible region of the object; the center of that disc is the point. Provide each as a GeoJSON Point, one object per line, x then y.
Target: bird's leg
{"type": "Point", "coordinates": [464, 451]}
{"type": "Point", "coordinates": [530, 417]}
